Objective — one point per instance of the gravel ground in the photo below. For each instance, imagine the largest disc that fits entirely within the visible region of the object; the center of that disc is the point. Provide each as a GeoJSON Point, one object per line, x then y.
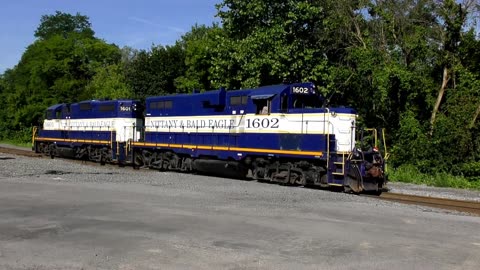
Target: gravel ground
{"type": "Point", "coordinates": [62, 170]}
{"type": "Point", "coordinates": [397, 187]}
{"type": "Point", "coordinates": [58, 214]}
{"type": "Point", "coordinates": [423, 190]}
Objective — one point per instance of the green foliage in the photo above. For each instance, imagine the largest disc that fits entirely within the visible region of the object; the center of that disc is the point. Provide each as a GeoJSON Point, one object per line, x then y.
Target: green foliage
{"type": "Point", "coordinates": [199, 45]}
{"type": "Point", "coordinates": [410, 174]}
{"type": "Point", "coordinates": [22, 137]}
{"type": "Point", "coordinates": [109, 83]}
{"type": "Point", "coordinates": [17, 143]}
{"type": "Point", "coordinates": [154, 72]}
{"type": "Point", "coordinates": [63, 24]}
{"type": "Point", "coordinates": [471, 170]}
{"type": "Point", "coordinates": [56, 68]}
{"type": "Point", "coordinates": [267, 42]}
{"type": "Point", "coordinates": [412, 144]}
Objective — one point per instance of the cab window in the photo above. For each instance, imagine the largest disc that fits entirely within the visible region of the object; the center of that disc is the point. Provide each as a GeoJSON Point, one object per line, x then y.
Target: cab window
{"type": "Point", "coordinates": [262, 106]}
{"type": "Point", "coordinates": [49, 114]}
{"type": "Point", "coordinates": [305, 102]}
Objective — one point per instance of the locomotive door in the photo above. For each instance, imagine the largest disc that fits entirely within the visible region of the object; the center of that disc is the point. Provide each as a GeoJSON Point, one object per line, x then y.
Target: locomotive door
{"type": "Point", "coordinates": [66, 121]}
{"type": "Point", "coordinates": [238, 109]}
{"type": "Point", "coordinates": [237, 130]}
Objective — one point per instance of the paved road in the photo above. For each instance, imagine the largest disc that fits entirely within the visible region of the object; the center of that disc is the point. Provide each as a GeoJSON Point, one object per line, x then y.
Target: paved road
{"type": "Point", "coordinates": [102, 218]}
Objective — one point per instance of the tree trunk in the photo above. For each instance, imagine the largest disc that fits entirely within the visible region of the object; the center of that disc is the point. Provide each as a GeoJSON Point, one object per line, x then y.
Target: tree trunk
{"type": "Point", "coordinates": [475, 116]}
{"type": "Point", "coordinates": [445, 80]}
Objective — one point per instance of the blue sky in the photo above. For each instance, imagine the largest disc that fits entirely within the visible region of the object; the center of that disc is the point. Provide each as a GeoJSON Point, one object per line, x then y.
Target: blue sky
{"type": "Point", "coordinates": [137, 23]}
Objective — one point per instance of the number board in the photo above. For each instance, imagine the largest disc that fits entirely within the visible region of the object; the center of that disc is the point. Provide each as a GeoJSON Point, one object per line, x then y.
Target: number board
{"type": "Point", "coordinates": [299, 90]}
{"type": "Point", "coordinates": [125, 108]}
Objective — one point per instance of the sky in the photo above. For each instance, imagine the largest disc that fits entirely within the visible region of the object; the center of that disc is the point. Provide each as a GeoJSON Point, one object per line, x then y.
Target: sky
{"type": "Point", "coordinates": [134, 23]}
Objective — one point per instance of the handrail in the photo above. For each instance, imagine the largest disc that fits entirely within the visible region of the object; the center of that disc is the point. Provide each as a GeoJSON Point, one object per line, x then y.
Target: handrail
{"type": "Point", "coordinates": [34, 133]}
{"type": "Point", "coordinates": [328, 136]}
{"type": "Point", "coordinates": [375, 135]}
{"type": "Point", "coordinates": [387, 155]}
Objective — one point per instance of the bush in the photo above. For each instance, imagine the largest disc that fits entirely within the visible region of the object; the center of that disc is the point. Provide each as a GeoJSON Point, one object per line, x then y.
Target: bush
{"type": "Point", "coordinates": [411, 174]}
{"type": "Point", "coordinates": [19, 137]}
{"type": "Point", "coordinates": [471, 170]}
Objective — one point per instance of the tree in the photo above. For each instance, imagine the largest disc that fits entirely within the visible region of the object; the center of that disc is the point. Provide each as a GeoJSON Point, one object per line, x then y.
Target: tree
{"type": "Point", "coordinates": [389, 61]}
{"type": "Point", "coordinates": [154, 72]}
{"type": "Point", "coordinates": [64, 24]}
{"type": "Point", "coordinates": [269, 41]}
{"type": "Point", "coordinates": [56, 68]}
{"type": "Point", "coordinates": [109, 83]}
{"type": "Point", "coordinates": [199, 45]}
{"type": "Point", "coordinates": [454, 17]}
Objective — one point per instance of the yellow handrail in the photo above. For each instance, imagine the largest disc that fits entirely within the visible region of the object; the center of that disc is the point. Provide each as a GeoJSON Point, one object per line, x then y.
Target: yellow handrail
{"type": "Point", "coordinates": [375, 136]}
{"type": "Point", "coordinates": [34, 135]}
{"type": "Point", "coordinates": [387, 155]}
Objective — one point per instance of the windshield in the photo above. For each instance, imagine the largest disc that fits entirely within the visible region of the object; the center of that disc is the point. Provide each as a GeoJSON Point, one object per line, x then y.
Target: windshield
{"type": "Point", "coordinates": [306, 102]}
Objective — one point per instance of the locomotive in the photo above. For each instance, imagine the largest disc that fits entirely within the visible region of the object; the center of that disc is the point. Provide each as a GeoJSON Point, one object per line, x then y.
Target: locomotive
{"type": "Point", "coordinates": [280, 133]}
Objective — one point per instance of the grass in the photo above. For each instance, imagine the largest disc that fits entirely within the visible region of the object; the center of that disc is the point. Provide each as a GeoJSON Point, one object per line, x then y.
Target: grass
{"type": "Point", "coordinates": [17, 143]}
{"type": "Point", "coordinates": [410, 174]}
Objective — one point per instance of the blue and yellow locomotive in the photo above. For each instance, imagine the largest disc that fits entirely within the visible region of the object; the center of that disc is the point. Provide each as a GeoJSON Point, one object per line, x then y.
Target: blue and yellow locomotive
{"type": "Point", "coordinates": [280, 133]}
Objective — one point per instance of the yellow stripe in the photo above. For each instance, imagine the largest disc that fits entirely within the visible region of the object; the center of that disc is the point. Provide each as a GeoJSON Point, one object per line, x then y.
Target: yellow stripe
{"type": "Point", "coordinates": [239, 149]}
{"type": "Point", "coordinates": [202, 147]}
{"type": "Point", "coordinates": [72, 140]}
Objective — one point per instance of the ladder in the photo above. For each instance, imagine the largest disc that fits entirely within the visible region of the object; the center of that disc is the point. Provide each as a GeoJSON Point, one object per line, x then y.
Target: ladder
{"type": "Point", "coordinates": [339, 165]}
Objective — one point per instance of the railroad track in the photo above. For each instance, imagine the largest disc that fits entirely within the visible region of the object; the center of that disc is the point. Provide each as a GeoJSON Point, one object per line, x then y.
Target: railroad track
{"type": "Point", "coordinates": [470, 207]}
{"type": "Point", "coordinates": [18, 151]}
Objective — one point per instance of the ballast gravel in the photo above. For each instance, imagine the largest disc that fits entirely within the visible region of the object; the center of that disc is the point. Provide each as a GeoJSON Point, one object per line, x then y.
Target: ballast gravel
{"type": "Point", "coordinates": [64, 170]}
{"type": "Point", "coordinates": [240, 192]}
{"type": "Point", "coordinates": [423, 190]}
{"type": "Point", "coordinates": [63, 214]}
{"type": "Point", "coordinates": [90, 172]}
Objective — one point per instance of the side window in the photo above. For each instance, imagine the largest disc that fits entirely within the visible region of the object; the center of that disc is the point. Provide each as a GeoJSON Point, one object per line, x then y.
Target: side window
{"type": "Point", "coordinates": [107, 108]}
{"type": "Point", "coordinates": [85, 106]}
{"type": "Point", "coordinates": [244, 100]}
{"type": "Point", "coordinates": [160, 105]}
{"type": "Point", "coordinates": [262, 106]}
{"type": "Point", "coordinates": [238, 100]}
{"type": "Point", "coordinates": [235, 101]}
{"type": "Point", "coordinates": [155, 105]}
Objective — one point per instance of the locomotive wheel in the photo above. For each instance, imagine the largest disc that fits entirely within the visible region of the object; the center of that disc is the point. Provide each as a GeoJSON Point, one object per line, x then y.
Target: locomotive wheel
{"type": "Point", "coordinates": [52, 150]}
{"type": "Point", "coordinates": [41, 148]}
{"type": "Point", "coordinates": [137, 159]}
{"type": "Point", "coordinates": [300, 180]}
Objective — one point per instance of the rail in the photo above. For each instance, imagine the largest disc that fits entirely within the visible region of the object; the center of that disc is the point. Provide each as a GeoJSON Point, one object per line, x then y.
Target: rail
{"type": "Point", "coordinates": [471, 207]}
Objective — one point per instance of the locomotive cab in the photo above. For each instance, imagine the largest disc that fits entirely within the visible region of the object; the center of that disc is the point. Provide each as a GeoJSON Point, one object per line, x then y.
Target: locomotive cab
{"type": "Point", "coordinates": [53, 116]}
